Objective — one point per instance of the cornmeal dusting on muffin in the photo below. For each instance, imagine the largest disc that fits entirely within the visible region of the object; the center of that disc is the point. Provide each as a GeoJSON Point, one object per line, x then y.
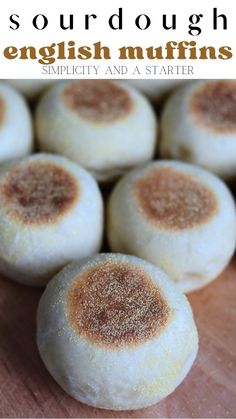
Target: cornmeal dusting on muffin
{"type": "Point", "coordinates": [38, 192]}
{"type": "Point", "coordinates": [174, 200]}
{"type": "Point", "coordinates": [214, 105]}
{"type": "Point", "coordinates": [116, 305]}
{"type": "Point", "coordinates": [102, 101]}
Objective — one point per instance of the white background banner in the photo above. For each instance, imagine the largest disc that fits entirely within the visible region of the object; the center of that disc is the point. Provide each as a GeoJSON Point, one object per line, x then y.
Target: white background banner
{"type": "Point", "coordinates": [199, 44]}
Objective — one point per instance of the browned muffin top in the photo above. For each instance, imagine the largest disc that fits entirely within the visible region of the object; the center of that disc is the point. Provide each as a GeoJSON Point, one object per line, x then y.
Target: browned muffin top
{"type": "Point", "coordinates": [116, 305]}
{"type": "Point", "coordinates": [99, 101]}
{"type": "Point", "coordinates": [38, 192]}
{"type": "Point", "coordinates": [173, 199]}
{"type": "Point", "coordinates": [214, 105]}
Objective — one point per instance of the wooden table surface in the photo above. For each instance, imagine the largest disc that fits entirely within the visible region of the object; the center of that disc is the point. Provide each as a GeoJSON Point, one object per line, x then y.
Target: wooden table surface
{"type": "Point", "coordinates": [27, 390]}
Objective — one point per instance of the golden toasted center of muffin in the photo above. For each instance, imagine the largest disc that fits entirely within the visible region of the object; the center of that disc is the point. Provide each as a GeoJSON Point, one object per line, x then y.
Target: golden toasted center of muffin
{"type": "Point", "coordinates": [38, 192]}
{"type": "Point", "coordinates": [214, 105]}
{"type": "Point", "coordinates": [2, 109]}
{"type": "Point", "coordinates": [173, 199]}
{"type": "Point", "coordinates": [116, 305]}
{"type": "Point", "coordinates": [98, 101]}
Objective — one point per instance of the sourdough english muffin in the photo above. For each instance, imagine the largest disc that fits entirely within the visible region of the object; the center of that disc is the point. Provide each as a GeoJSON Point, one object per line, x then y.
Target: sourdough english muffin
{"type": "Point", "coordinates": [105, 126]}
{"type": "Point", "coordinates": [156, 90]}
{"type": "Point", "coordinates": [198, 125]}
{"type": "Point", "coordinates": [31, 89]}
{"type": "Point", "coordinates": [115, 332]}
{"type": "Point", "coordinates": [51, 212]}
{"type": "Point", "coordinates": [15, 124]}
{"type": "Point", "coordinates": [178, 216]}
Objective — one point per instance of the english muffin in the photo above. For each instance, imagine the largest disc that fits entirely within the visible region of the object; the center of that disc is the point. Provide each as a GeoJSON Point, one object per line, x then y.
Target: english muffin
{"type": "Point", "coordinates": [178, 216]}
{"type": "Point", "coordinates": [31, 88]}
{"type": "Point", "coordinates": [105, 126]}
{"type": "Point", "coordinates": [198, 125]}
{"type": "Point", "coordinates": [16, 138]}
{"type": "Point", "coordinates": [115, 332]}
{"type": "Point", "coordinates": [51, 212]}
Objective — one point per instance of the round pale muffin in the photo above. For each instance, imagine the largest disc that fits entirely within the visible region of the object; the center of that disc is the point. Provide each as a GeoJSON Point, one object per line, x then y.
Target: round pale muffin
{"type": "Point", "coordinates": [177, 216]}
{"type": "Point", "coordinates": [16, 137]}
{"type": "Point", "coordinates": [31, 89]}
{"type": "Point", "coordinates": [105, 126]}
{"type": "Point", "coordinates": [115, 332]}
{"type": "Point", "coordinates": [198, 125]}
{"type": "Point", "coordinates": [51, 212]}
{"type": "Point", "coordinates": [156, 90]}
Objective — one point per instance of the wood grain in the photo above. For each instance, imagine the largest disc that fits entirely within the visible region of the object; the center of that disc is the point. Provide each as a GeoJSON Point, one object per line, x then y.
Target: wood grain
{"type": "Point", "coordinates": [27, 390]}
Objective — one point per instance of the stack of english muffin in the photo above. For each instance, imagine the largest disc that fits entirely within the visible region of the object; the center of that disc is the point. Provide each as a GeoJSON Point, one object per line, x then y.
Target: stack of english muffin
{"type": "Point", "coordinates": [96, 159]}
